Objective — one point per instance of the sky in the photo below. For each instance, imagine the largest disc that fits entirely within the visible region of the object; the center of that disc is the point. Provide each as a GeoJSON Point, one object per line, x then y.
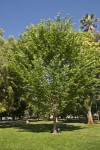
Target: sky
{"type": "Point", "coordinates": [15, 15]}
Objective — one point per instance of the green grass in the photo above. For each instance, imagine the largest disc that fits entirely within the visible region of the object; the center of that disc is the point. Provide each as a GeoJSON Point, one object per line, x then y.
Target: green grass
{"type": "Point", "coordinates": [37, 136]}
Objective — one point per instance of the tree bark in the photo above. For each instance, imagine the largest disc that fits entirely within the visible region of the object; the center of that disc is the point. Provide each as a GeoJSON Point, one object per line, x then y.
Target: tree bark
{"type": "Point", "coordinates": [89, 114]}
{"type": "Point", "coordinates": [89, 117]}
{"type": "Point", "coordinates": [55, 126]}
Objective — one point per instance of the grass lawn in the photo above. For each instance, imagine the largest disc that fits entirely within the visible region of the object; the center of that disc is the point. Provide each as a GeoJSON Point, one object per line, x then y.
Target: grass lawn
{"type": "Point", "coordinates": [37, 136]}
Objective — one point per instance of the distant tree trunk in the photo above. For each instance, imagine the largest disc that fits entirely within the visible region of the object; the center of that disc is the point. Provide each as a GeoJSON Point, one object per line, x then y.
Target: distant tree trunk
{"type": "Point", "coordinates": [89, 114]}
{"type": "Point", "coordinates": [20, 118]}
{"type": "Point", "coordinates": [38, 117]}
{"type": "Point", "coordinates": [13, 118]}
{"type": "Point", "coordinates": [1, 118]}
{"type": "Point", "coordinates": [56, 119]}
{"type": "Point", "coordinates": [55, 126]}
{"type": "Point", "coordinates": [98, 116]}
{"type": "Point", "coordinates": [48, 118]}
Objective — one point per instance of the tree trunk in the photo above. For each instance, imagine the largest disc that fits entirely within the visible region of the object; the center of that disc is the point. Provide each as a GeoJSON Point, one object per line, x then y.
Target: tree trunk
{"type": "Point", "coordinates": [55, 127]}
{"type": "Point", "coordinates": [89, 114]}
{"type": "Point", "coordinates": [99, 117]}
{"type": "Point", "coordinates": [89, 117]}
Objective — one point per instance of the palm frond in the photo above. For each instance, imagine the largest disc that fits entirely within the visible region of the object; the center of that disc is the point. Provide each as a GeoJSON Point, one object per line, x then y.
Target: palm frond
{"type": "Point", "coordinates": [95, 25]}
{"type": "Point", "coordinates": [81, 27]}
{"type": "Point", "coordinates": [86, 16]}
{"type": "Point", "coordinates": [92, 16]}
{"type": "Point", "coordinates": [95, 20]}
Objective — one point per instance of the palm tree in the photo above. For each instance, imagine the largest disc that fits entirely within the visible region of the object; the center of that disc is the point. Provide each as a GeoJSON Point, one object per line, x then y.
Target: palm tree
{"type": "Point", "coordinates": [88, 22]}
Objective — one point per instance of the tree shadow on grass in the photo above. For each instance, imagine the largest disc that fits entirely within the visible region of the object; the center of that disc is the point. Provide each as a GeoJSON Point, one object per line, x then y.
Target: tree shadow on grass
{"type": "Point", "coordinates": [23, 127]}
{"type": "Point", "coordinates": [73, 121]}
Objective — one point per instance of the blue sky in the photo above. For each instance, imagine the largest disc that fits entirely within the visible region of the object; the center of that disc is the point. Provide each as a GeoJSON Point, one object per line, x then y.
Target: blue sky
{"type": "Point", "coordinates": [15, 15]}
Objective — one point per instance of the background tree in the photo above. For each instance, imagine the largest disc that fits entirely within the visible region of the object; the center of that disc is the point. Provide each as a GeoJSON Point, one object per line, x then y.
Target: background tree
{"type": "Point", "coordinates": [97, 36]}
{"type": "Point", "coordinates": [6, 92]}
{"type": "Point", "coordinates": [18, 109]}
{"type": "Point", "coordinates": [89, 22]}
{"type": "Point", "coordinates": [87, 77]}
{"type": "Point", "coordinates": [85, 87]}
